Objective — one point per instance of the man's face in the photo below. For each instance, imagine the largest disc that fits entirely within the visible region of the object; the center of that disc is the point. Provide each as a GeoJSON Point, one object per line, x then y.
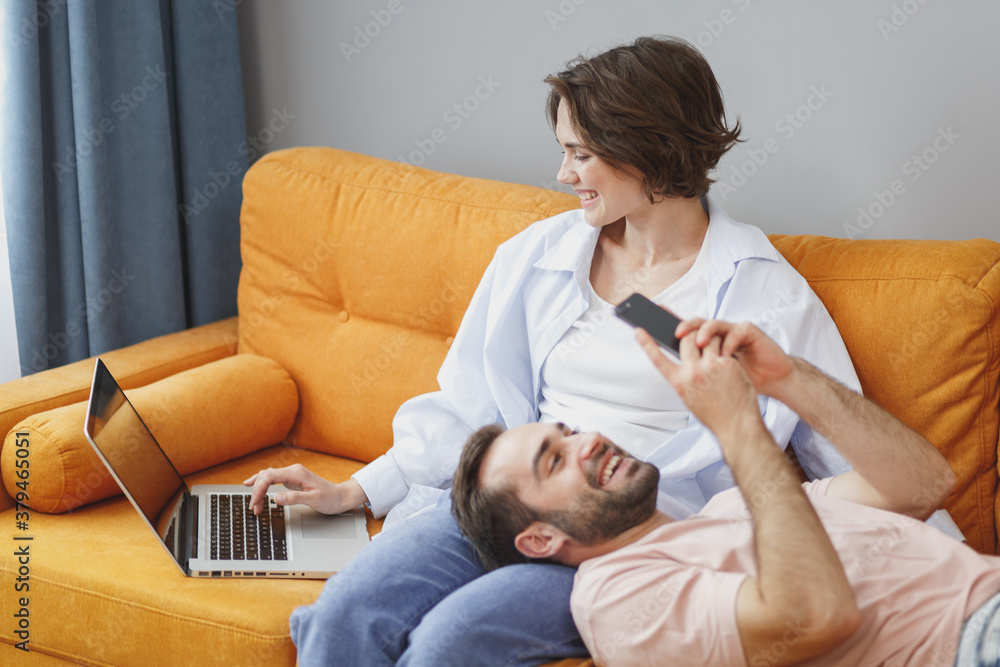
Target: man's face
{"type": "Point", "coordinates": [579, 482]}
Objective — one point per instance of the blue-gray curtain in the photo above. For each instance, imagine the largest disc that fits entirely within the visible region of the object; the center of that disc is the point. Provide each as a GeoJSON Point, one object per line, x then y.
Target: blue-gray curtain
{"type": "Point", "coordinates": [122, 152]}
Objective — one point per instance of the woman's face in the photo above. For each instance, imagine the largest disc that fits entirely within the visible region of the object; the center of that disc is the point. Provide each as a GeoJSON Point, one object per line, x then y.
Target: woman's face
{"type": "Point", "coordinates": [606, 194]}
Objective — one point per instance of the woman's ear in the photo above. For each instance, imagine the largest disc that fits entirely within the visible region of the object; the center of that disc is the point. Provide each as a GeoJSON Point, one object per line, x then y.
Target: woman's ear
{"type": "Point", "coordinates": [540, 540]}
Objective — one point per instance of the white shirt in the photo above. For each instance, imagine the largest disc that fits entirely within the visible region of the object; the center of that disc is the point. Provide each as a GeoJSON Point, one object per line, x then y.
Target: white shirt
{"type": "Point", "coordinates": [598, 379]}
{"type": "Point", "coordinates": [531, 293]}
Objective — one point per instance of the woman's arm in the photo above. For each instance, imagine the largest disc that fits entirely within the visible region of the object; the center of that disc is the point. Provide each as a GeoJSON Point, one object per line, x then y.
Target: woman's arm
{"type": "Point", "coordinates": [429, 430]}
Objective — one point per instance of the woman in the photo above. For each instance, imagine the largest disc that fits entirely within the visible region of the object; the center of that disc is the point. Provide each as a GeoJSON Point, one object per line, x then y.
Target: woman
{"type": "Point", "coordinates": [642, 126]}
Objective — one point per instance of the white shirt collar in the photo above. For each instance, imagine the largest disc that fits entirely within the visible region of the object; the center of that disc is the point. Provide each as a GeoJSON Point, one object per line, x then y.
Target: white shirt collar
{"type": "Point", "coordinates": [731, 242]}
{"type": "Point", "coordinates": [574, 249]}
{"type": "Point", "coordinates": [739, 241]}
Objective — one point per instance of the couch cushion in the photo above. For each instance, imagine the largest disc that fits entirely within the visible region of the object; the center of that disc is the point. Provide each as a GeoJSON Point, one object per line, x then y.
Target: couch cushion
{"type": "Point", "coordinates": [355, 277]}
{"type": "Point", "coordinates": [922, 325]}
{"type": "Point", "coordinates": [200, 417]}
{"type": "Point", "coordinates": [103, 590]}
{"type": "Point", "coordinates": [137, 365]}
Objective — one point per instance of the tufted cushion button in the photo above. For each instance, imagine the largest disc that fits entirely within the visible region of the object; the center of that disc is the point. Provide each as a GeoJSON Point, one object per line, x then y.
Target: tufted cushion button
{"type": "Point", "coordinates": [343, 316]}
{"type": "Point", "coordinates": [449, 340]}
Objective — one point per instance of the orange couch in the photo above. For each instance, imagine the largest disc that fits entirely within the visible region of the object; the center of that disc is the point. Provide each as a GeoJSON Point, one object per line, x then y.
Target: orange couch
{"type": "Point", "coordinates": [356, 273]}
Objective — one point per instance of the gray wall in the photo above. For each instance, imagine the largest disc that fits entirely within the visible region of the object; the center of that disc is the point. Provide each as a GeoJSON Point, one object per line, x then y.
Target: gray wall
{"type": "Point", "coordinates": [887, 106]}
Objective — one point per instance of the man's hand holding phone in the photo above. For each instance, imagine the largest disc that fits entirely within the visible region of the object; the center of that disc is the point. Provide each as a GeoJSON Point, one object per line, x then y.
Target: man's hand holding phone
{"type": "Point", "coordinates": [767, 366]}
{"type": "Point", "coordinates": [713, 386]}
{"type": "Point", "coordinates": [763, 362]}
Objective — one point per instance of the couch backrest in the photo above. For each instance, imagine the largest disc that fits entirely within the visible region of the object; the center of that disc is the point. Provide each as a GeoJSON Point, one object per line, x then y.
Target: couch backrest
{"type": "Point", "coordinates": [921, 320]}
{"type": "Point", "coordinates": [356, 273]}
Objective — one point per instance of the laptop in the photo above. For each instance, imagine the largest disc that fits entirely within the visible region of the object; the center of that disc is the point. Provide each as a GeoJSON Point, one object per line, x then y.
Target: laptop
{"type": "Point", "coordinates": [209, 530]}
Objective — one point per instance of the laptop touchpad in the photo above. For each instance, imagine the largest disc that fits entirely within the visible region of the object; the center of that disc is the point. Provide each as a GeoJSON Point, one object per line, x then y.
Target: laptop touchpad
{"type": "Point", "coordinates": [327, 527]}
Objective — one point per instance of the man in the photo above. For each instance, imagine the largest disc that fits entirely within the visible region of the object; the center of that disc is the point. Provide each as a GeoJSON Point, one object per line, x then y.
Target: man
{"type": "Point", "coordinates": [840, 571]}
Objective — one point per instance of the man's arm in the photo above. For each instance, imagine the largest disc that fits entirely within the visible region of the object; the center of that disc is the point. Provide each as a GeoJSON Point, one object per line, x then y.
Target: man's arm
{"type": "Point", "coordinates": [800, 583]}
{"type": "Point", "coordinates": [895, 468]}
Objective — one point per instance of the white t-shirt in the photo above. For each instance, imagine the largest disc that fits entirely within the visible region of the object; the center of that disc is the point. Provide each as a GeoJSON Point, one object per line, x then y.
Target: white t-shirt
{"type": "Point", "coordinates": [598, 378]}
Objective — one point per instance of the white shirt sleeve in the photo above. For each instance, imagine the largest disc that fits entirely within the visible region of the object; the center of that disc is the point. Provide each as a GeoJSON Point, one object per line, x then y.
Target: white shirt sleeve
{"type": "Point", "coordinates": [772, 295]}
{"type": "Point", "coordinates": [487, 377]}
{"type": "Point", "coordinates": [790, 313]}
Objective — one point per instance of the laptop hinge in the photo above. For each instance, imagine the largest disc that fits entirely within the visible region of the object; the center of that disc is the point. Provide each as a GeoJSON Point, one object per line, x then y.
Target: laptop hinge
{"type": "Point", "coordinates": [189, 530]}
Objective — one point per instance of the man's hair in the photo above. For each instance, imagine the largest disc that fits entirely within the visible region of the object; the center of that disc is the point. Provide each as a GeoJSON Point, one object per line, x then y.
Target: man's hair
{"type": "Point", "coordinates": [653, 105]}
{"type": "Point", "coordinates": [491, 517]}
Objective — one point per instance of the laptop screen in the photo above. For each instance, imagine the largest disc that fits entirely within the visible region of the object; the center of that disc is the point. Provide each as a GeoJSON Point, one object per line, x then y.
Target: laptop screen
{"type": "Point", "coordinates": [135, 459]}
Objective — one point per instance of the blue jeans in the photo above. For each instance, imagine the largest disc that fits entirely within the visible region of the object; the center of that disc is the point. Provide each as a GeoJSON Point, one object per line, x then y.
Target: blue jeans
{"type": "Point", "coordinates": [418, 595]}
{"type": "Point", "coordinates": [979, 643]}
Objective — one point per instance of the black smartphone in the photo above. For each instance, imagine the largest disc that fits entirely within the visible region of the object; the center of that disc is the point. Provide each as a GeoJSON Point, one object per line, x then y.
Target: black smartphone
{"type": "Point", "coordinates": [658, 322]}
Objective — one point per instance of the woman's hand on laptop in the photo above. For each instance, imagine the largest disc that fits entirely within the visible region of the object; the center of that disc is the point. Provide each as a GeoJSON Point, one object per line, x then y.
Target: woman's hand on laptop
{"type": "Point", "coordinates": [305, 488]}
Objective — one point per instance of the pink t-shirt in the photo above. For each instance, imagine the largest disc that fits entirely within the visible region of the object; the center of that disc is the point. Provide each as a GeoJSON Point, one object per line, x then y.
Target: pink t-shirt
{"type": "Point", "coordinates": [670, 597]}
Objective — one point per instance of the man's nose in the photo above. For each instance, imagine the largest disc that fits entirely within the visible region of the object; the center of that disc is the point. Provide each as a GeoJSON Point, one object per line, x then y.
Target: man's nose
{"type": "Point", "coordinates": [589, 445]}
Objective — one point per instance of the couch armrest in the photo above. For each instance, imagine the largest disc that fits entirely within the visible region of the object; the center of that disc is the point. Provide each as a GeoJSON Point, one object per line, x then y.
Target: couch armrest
{"type": "Point", "coordinates": [135, 366]}
{"type": "Point", "coordinates": [200, 417]}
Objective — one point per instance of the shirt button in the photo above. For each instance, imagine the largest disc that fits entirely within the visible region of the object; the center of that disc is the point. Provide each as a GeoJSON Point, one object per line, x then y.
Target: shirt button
{"type": "Point", "coordinates": [449, 340]}
{"type": "Point", "coordinates": [343, 316]}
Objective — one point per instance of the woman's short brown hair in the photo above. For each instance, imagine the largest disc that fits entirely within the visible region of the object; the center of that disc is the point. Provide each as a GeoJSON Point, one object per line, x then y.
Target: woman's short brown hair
{"type": "Point", "coordinates": [653, 105]}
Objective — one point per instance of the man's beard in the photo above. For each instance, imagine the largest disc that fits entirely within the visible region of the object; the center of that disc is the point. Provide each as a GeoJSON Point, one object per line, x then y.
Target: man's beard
{"type": "Point", "coordinates": [599, 515]}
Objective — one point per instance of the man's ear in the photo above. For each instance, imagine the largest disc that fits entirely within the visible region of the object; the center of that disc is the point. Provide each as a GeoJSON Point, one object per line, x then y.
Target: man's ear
{"type": "Point", "coordinates": [540, 540]}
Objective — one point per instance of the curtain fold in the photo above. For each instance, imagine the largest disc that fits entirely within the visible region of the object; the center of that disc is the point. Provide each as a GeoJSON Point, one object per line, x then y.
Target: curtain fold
{"type": "Point", "coordinates": [120, 135]}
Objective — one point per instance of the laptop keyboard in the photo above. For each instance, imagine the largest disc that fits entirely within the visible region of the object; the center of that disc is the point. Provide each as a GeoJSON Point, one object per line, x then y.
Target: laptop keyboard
{"type": "Point", "coordinates": [239, 534]}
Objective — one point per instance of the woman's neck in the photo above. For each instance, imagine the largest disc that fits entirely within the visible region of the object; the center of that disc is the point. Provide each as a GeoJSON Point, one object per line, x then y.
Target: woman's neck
{"type": "Point", "coordinates": [666, 231]}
